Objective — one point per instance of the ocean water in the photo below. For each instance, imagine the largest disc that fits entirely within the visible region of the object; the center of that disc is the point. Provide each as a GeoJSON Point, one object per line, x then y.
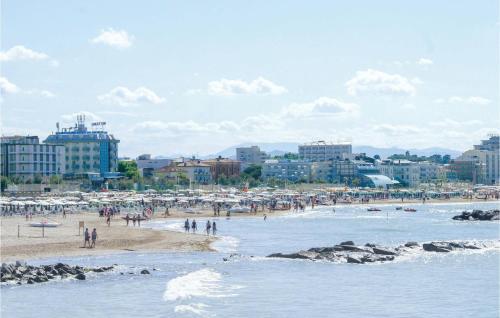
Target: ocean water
{"type": "Point", "coordinates": [202, 284]}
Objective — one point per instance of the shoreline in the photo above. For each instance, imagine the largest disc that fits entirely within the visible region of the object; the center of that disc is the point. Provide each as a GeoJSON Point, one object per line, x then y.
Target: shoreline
{"type": "Point", "coordinates": [64, 241]}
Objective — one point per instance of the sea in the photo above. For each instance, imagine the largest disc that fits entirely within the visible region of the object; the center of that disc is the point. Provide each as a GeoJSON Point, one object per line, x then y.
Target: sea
{"type": "Point", "coordinates": [237, 280]}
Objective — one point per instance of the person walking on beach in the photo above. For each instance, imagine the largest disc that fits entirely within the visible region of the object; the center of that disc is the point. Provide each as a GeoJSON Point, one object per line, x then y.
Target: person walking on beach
{"type": "Point", "coordinates": [265, 217]}
{"type": "Point", "coordinates": [64, 213]}
{"type": "Point", "coordinates": [127, 219]}
{"type": "Point", "coordinates": [94, 237]}
{"type": "Point", "coordinates": [139, 221]}
{"type": "Point", "coordinates": [86, 235]}
{"type": "Point", "coordinates": [193, 226]}
{"type": "Point", "coordinates": [134, 219]}
{"type": "Point", "coordinates": [208, 227]}
{"type": "Point", "coordinates": [108, 219]}
{"type": "Point", "coordinates": [214, 228]}
{"type": "Point", "coordinates": [186, 226]}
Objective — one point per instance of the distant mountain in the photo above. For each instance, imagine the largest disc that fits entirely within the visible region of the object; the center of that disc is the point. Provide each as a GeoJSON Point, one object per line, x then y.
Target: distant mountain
{"type": "Point", "coordinates": [280, 148]}
{"type": "Point", "coordinates": [386, 152]}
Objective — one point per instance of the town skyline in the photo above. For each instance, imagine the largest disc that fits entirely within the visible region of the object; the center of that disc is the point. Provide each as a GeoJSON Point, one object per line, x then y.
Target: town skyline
{"type": "Point", "coordinates": [189, 86]}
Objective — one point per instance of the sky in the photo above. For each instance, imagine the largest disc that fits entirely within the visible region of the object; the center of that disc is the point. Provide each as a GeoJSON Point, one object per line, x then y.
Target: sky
{"type": "Point", "coordinates": [195, 77]}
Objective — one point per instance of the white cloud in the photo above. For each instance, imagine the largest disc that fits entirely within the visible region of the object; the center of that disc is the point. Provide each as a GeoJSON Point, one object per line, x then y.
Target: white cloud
{"type": "Point", "coordinates": [115, 38]}
{"type": "Point", "coordinates": [323, 106]}
{"type": "Point", "coordinates": [379, 83]}
{"type": "Point", "coordinates": [19, 52]}
{"type": "Point", "coordinates": [450, 123]}
{"type": "Point", "coordinates": [259, 86]}
{"type": "Point", "coordinates": [397, 130]}
{"type": "Point", "coordinates": [184, 128]}
{"type": "Point", "coordinates": [125, 97]}
{"type": "Point", "coordinates": [424, 61]}
{"type": "Point", "coordinates": [7, 87]}
{"type": "Point", "coordinates": [475, 100]}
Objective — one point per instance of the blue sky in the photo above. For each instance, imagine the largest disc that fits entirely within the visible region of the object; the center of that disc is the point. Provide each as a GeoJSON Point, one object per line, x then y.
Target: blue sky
{"type": "Point", "coordinates": [195, 77]}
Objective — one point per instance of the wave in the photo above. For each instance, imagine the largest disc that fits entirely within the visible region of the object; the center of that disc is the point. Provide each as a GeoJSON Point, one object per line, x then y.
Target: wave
{"type": "Point", "coordinates": [196, 308]}
{"type": "Point", "coordinates": [226, 244]}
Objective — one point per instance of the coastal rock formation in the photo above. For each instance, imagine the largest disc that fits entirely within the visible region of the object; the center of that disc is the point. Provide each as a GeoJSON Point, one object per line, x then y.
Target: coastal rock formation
{"type": "Point", "coordinates": [21, 273]}
{"type": "Point", "coordinates": [478, 215]}
{"type": "Point", "coordinates": [371, 253]}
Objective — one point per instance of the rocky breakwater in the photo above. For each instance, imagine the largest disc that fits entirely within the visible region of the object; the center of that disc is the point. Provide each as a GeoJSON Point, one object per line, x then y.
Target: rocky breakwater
{"type": "Point", "coordinates": [348, 252]}
{"type": "Point", "coordinates": [478, 215]}
{"type": "Point", "coordinates": [21, 273]}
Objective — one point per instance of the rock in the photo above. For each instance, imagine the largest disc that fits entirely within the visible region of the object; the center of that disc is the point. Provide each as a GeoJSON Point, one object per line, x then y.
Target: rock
{"type": "Point", "coordinates": [412, 244]}
{"type": "Point", "coordinates": [347, 243]}
{"type": "Point", "coordinates": [299, 255]}
{"type": "Point", "coordinates": [370, 245]}
{"type": "Point", "coordinates": [383, 251]}
{"type": "Point", "coordinates": [321, 249]}
{"type": "Point", "coordinates": [20, 263]}
{"type": "Point", "coordinates": [225, 259]}
{"type": "Point", "coordinates": [350, 248]}
{"type": "Point", "coordinates": [354, 260]}
{"type": "Point", "coordinates": [145, 272]}
{"type": "Point", "coordinates": [80, 276]}
{"type": "Point", "coordinates": [436, 247]}
{"type": "Point", "coordinates": [30, 281]}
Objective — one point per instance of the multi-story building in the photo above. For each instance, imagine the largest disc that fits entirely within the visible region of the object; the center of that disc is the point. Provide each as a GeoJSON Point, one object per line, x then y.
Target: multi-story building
{"type": "Point", "coordinates": [291, 170]}
{"type": "Point", "coordinates": [23, 157]}
{"type": "Point", "coordinates": [147, 165]}
{"type": "Point", "coordinates": [250, 155]}
{"type": "Point", "coordinates": [481, 164]}
{"type": "Point", "coordinates": [223, 167]}
{"type": "Point", "coordinates": [193, 170]}
{"type": "Point", "coordinates": [405, 172]}
{"type": "Point", "coordinates": [430, 171]}
{"type": "Point", "coordinates": [87, 151]}
{"type": "Point", "coordinates": [324, 151]}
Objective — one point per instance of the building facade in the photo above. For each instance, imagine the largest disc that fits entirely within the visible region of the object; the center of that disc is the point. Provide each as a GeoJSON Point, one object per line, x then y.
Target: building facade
{"type": "Point", "coordinates": [250, 155]}
{"type": "Point", "coordinates": [223, 167]}
{"type": "Point", "coordinates": [291, 170]}
{"type": "Point", "coordinates": [407, 173]}
{"type": "Point", "coordinates": [324, 151]}
{"type": "Point", "coordinates": [87, 151]}
{"type": "Point", "coordinates": [147, 165]}
{"type": "Point", "coordinates": [480, 164]}
{"type": "Point", "coordinates": [24, 158]}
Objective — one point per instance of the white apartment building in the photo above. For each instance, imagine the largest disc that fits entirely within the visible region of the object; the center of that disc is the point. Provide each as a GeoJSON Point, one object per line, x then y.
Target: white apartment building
{"type": "Point", "coordinates": [292, 170]}
{"type": "Point", "coordinates": [250, 155]}
{"type": "Point", "coordinates": [404, 171]}
{"type": "Point", "coordinates": [487, 156]}
{"type": "Point", "coordinates": [324, 151]}
{"type": "Point", "coordinates": [25, 158]}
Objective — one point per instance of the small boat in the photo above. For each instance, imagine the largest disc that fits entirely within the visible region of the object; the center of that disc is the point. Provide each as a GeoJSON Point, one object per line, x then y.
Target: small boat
{"type": "Point", "coordinates": [399, 208]}
{"type": "Point", "coordinates": [410, 210]}
{"type": "Point", "coordinates": [374, 209]}
{"type": "Point", "coordinates": [44, 224]}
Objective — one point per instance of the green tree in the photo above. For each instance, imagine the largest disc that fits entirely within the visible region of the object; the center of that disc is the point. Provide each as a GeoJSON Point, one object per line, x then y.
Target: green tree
{"type": "Point", "coordinates": [129, 169]}
{"type": "Point", "coordinates": [37, 179]}
{"type": "Point", "coordinates": [4, 182]}
{"type": "Point", "coordinates": [55, 180]}
{"type": "Point", "coordinates": [253, 171]}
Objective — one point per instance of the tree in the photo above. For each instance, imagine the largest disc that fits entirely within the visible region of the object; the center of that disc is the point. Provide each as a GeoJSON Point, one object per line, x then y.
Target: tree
{"type": "Point", "coordinates": [55, 180]}
{"type": "Point", "coordinates": [4, 182]}
{"type": "Point", "coordinates": [37, 179]}
{"type": "Point", "coordinates": [253, 171]}
{"type": "Point", "coordinates": [377, 157]}
{"type": "Point", "coordinates": [129, 168]}
{"type": "Point", "coordinates": [356, 182]}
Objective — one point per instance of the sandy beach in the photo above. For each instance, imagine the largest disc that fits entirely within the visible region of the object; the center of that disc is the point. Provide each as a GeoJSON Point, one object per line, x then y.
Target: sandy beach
{"type": "Point", "coordinates": [65, 241]}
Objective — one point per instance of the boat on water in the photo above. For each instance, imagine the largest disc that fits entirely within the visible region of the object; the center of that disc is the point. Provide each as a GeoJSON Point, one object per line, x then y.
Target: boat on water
{"type": "Point", "coordinates": [399, 208]}
{"type": "Point", "coordinates": [44, 223]}
{"type": "Point", "coordinates": [410, 210]}
{"type": "Point", "coordinates": [374, 209]}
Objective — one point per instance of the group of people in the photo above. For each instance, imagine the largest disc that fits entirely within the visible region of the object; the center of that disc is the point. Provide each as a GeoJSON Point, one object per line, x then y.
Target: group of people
{"type": "Point", "coordinates": [193, 226]}
{"type": "Point", "coordinates": [88, 237]}
{"type": "Point", "coordinates": [134, 219]}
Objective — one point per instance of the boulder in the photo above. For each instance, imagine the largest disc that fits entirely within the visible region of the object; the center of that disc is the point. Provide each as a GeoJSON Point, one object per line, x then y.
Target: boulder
{"type": "Point", "coordinates": [145, 272]}
{"type": "Point", "coordinates": [80, 276]}
{"type": "Point", "coordinates": [436, 247]}
{"type": "Point", "coordinates": [347, 243]}
{"type": "Point", "coordinates": [382, 251]}
{"type": "Point", "coordinates": [411, 244]}
{"type": "Point", "coordinates": [20, 263]}
{"type": "Point", "coordinates": [354, 260]}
